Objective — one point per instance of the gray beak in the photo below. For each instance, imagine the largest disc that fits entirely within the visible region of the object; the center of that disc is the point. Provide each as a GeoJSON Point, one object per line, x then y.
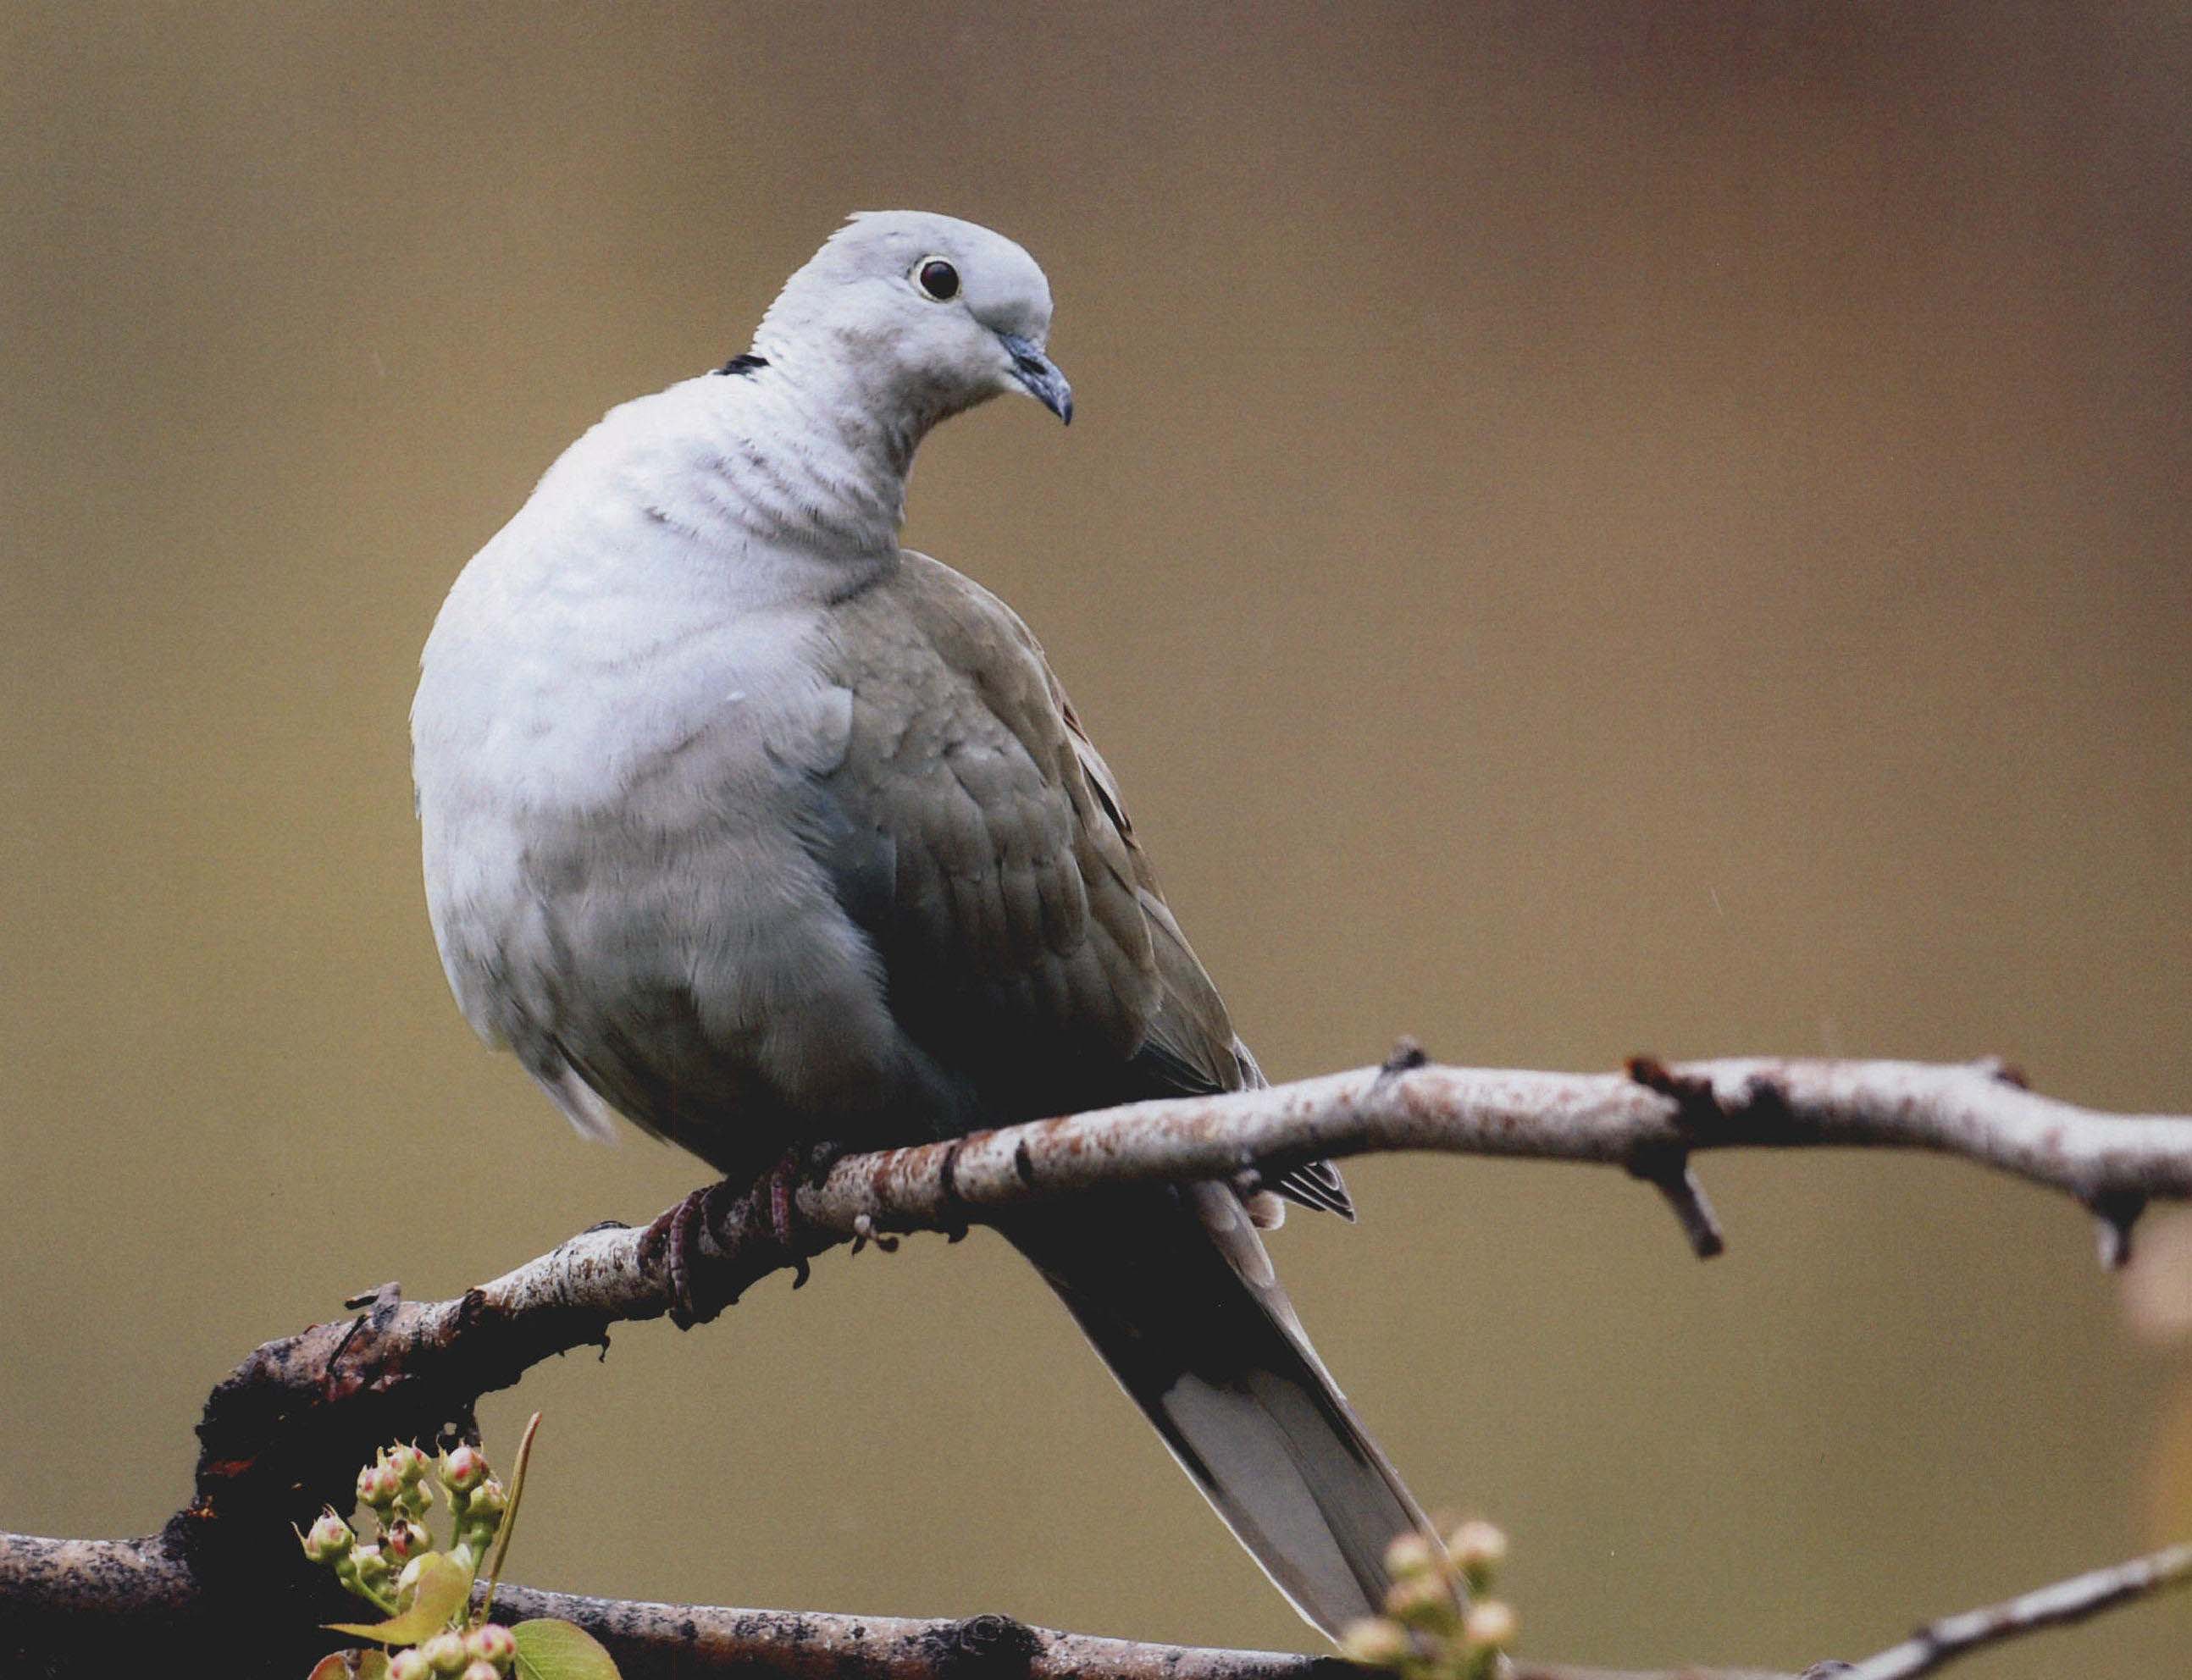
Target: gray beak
{"type": "Point", "coordinates": [1039, 376]}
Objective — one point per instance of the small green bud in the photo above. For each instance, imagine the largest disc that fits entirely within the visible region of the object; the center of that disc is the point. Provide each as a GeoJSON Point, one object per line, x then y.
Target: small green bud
{"type": "Point", "coordinates": [371, 1563]}
{"type": "Point", "coordinates": [463, 1469]}
{"type": "Point", "coordinates": [415, 1500]}
{"type": "Point", "coordinates": [445, 1654]}
{"type": "Point", "coordinates": [1477, 1544]}
{"type": "Point", "coordinates": [1423, 1600]}
{"type": "Point", "coordinates": [491, 1643]}
{"type": "Point", "coordinates": [1410, 1555]}
{"type": "Point", "coordinates": [408, 1664]}
{"type": "Point", "coordinates": [481, 1515]}
{"type": "Point", "coordinates": [330, 1539]}
{"type": "Point", "coordinates": [1489, 1623]}
{"type": "Point", "coordinates": [1374, 1642]}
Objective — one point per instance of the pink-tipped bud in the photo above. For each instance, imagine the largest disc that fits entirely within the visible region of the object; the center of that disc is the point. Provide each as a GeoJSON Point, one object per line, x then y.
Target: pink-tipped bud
{"type": "Point", "coordinates": [445, 1654]}
{"type": "Point", "coordinates": [463, 1469]}
{"type": "Point", "coordinates": [481, 1671]}
{"type": "Point", "coordinates": [1375, 1643]}
{"type": "Point", "coordinates": [330, 1538]}
{"type": "Point", "coordinates": [371, 1563]}
{"type": "Point", "coordinates": [409, 1464]}
{"type": "Point", "coordinates": [491, 1643]}
{"type": "Point", "coordinates": [408, 1664]}
{"type": "Point", "coordinates": [406, 1541]}
{"type": "Point", "coordinates": [378, 1485]}
{"type": "Point", "coordinates": [1489, 1623]}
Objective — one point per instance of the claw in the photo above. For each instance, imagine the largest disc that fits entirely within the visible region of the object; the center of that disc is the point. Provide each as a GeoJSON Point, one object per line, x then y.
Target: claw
{"type": "Point", "coordinates": [694, 1297]}
{"type": "Point", "coordinates": [681, 1250]}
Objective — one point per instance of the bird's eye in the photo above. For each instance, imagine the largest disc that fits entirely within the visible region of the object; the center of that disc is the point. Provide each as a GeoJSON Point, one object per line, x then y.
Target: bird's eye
{"type": "Point", "coordinates": [938, 278]}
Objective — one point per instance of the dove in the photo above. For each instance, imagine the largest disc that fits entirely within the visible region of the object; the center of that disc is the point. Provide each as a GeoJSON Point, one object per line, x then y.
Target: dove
{"type": "Point", "coordinates": [777, 840]}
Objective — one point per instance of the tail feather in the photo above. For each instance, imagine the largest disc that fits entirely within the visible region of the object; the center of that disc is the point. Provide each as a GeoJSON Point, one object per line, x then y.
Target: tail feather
{"type": "Point", "coordinates": [1173, 1288]}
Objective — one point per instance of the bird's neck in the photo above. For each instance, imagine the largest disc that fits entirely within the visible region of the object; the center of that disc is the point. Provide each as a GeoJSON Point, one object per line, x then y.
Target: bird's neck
{"type": "Point", "coordinates": [816, 457]}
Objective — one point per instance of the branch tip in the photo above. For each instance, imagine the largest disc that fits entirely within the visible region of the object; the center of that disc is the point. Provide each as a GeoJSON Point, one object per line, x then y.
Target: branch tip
{"type": "Point", "coordinates": [1668, 1170]}
{"type": "Point", "coordinates": [2115, 1213]}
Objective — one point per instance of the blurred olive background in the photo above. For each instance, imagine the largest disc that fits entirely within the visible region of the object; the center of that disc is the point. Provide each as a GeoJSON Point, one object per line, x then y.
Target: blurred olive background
{"type": "Point", "coordinates": [1591, 529]}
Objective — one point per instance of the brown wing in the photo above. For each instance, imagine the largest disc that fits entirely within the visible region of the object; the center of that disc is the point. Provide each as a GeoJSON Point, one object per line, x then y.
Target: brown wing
{"type": "Point", "coordinates": [1009, 919]}
{"type": "Point", "coordinates": [979, 837]}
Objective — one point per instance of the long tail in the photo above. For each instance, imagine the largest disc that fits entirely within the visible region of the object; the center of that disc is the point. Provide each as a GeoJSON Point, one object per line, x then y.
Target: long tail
{"type": "Point", "coordinates": [1176, 1291]}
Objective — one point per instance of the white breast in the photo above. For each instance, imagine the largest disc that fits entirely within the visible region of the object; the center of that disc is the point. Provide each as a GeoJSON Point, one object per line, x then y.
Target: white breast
{"type": "Point", "coordinates": [616, 714]}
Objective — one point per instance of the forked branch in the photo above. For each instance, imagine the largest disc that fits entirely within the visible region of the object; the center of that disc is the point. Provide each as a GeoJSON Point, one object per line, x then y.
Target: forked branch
{"type": "Point", "coordinates": [283, 1434]}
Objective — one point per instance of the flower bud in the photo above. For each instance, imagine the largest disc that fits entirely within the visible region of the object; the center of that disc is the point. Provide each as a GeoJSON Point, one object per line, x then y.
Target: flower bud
{"type": "Point", "coordinates": [481, 1516]}
{"type": "Point", "coordinates": [463, 1469]}
{"type": "Point", "coordinates": [1424, 1601]}
{"type": "Point", "coordinates": [445, 1654]}
{"type": "Point", "coordinates": [406, 1541]}
{"type": "Point", "coordinates": [481, 1671]}
{"type": "Point", "coordinates": [408, 1664]}
{"type": "Point", "coordinates": [409, 1464]}
{"type": "Point", "coordinates": [1477, 1544]}
{"type": "Point", "coordinates": [1375, 1643]}
{"type": "Point", "coordinates": [1410, 1555]}
{"type": "Point", "coordinates": [491, 1643]}
{"type": "Point", "coordinates": [1489, 1623]}
{"type": "Point", "coordinates": [378, 1485]}
{"type": "Point", "coordinates": [330, 1538]}
{"type": "Point", "coordinates": [371, 1563]}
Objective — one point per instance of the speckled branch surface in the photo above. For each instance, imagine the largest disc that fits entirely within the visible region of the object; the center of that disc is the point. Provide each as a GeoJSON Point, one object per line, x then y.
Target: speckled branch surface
{"type": "Point", "coordinates": [105, 1591]}
{"type": "Point", "coordinates": [286, 1431]}
{"type": "Point", "coordinates": [289, 1427]}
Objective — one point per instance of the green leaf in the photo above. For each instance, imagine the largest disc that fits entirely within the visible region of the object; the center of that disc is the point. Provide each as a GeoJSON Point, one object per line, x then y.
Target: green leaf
{"type": "Point", "coordinates": [337, 1665]}
{"type": "Point", "coordinates": [442, 1590]}
{"type": "Point", "coordinates": [551, 1649]}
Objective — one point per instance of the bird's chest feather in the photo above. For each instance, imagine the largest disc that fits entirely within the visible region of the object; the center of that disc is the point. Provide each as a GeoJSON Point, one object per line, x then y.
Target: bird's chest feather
{"type": "Point", "coordinates": [612, 792]}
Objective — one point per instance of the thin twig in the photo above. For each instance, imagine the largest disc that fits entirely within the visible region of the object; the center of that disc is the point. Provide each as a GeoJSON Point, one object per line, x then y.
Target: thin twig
{"type": "Point", "coordinates": [1941, 1643]}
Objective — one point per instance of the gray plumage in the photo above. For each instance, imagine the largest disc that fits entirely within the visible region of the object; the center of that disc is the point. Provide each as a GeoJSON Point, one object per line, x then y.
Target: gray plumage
{"type": "Point", "coordinates": [744, 824]}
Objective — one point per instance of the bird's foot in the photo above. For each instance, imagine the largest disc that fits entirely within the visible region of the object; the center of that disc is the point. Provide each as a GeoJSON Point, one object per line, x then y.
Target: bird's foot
{"type": "Point", "coordinates": [744, 1219]}
{"type": "Point", "coordinates": [691, 1301]}
{"type": "Point", "coordinates": [781, 1184]}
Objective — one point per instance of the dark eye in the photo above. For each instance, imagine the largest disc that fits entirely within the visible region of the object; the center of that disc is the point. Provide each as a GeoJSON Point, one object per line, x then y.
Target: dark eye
{"type": "Point", "coordinates": [938, 278]}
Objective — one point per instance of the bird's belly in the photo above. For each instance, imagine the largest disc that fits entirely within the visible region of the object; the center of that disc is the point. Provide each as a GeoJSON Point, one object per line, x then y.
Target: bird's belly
{"type": "Point", "coordinates": [648, 917]}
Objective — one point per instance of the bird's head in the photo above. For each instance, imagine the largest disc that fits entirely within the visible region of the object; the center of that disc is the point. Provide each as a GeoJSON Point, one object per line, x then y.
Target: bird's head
{"type": "Point", "coordinates": [925, 312]}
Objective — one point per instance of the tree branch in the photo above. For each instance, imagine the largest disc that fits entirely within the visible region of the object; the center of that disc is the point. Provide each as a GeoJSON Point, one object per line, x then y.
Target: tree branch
{"type": "Point", "coordinates": [284, 1433]}
{"type": "Point", "coordinates": [142, 1583]}
{"type": "Point", "coordinates": [1941, 1643]}
{"type": "Point", "coordinates": [286, 1430]}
